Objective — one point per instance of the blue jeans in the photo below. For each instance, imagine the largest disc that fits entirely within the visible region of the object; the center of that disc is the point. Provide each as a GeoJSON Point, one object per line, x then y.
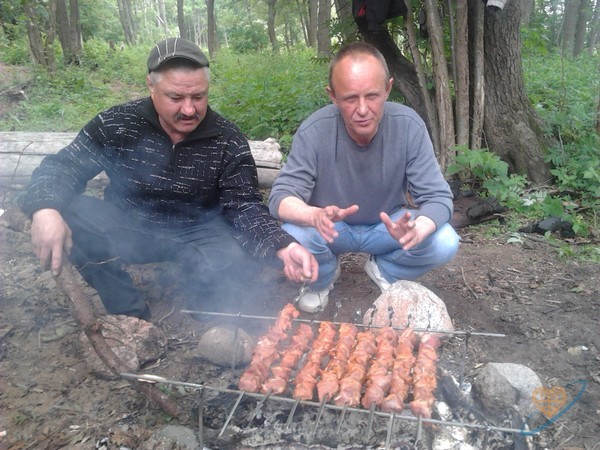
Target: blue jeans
{"type": "Point", "coordinates": [393, 262]}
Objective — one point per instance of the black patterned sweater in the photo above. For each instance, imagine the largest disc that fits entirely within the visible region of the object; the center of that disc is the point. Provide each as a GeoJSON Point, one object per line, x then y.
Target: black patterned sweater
{"type": "Point", "coordinates": [158, 183]}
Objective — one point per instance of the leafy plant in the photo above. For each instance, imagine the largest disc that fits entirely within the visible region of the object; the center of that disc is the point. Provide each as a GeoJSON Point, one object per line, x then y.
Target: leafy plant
{"type": "Point", "coordinates": [486, 171]}
{"type": "Point", "coordinates": [489, 176]}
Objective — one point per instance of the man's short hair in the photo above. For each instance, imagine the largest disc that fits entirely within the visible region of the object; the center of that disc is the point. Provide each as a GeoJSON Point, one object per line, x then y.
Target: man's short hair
{"type": "Point", "coordinates": [358, 48]}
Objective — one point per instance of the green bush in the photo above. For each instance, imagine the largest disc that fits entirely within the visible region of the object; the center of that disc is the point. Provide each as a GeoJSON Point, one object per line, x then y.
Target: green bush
{"type": "Point", "coordinates": [487, 174]}
{"type": "Point", "coordinates": [268, 95]}
{"type": "Point", "coordinates": [14, 53]}
{"type": "Point", "coordinates": [248, 38]}
{"type": "Point", "coordinates": [564, 92]}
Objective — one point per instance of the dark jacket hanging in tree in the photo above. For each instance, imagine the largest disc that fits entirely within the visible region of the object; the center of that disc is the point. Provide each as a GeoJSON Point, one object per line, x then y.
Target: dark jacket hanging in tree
{"type": "Point", "coordinates": [376, 12]}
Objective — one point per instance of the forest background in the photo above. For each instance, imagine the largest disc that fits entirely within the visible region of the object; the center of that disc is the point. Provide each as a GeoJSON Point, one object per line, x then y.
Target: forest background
{"type": "Point", "coordinates": [509, 89]}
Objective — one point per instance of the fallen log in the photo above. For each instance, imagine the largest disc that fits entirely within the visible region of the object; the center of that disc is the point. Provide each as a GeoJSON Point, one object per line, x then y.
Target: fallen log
{"type": "Point", "coordinates": [69, 281]}
{"type": "Point", "coordinates": [22, 152]}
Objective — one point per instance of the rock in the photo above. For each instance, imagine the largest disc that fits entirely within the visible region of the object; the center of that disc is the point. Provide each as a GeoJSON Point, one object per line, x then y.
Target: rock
{"type": "Point", "coordinates": [412, 304]}
{"type": "Point", "coordinates": [133, 340]}
{"type": "Point", "coordinates": [551, 224]}
{"type": "Point", "coordinates": [503, 386]}
{"type": "Point", "coordinates": [217, 345]}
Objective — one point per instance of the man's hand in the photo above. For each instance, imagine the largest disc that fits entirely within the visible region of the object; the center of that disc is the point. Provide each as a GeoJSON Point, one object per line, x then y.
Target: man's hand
{"type": "Point", "coordinates": [408, 233]}
{"type": "Point", "coordinates": [298, 263]}
{"type": "Point", "coordinates": [294, 210]}
{"type": "Point", "coordinates": [324, 220]}
{"type": "Point", "coordinates": [51, 238]}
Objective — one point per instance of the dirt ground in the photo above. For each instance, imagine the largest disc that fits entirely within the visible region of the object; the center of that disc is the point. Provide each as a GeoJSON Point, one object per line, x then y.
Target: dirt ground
{"type": "Point", "coordinates": [547, 308]}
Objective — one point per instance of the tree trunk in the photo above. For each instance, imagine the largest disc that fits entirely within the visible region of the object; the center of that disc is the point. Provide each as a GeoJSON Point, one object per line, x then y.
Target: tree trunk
{"type": "Point", "coordinates": [125, 17]}
{"type": "Point", "coordinates": [594, 29]}
{"type": "Point", "coordinates": [199, 29]}
{"type": "Point", "coordinates": [512, 128]}
{"type": "Point", "coordinates": [182, 24]}
{"type": "Point", "coordinates": [346, 21]}
{"type": "Point", "coordinates": [429, 107]}
{"type": "Point", "coordinates": [476, 73]}
{"type": "Point", "coordinates": [401, 69]}
{"type": "Point", "coordinates": [161, 15]}
{"type": "Point", "coordinates": [527, 11]}
{"type": "Point", "coordinates": [313, 9]}
{"type": "Point", "coordinates": [442, 85]}
{"type": "Point", "coordinates": [40, 46]}
{"type": "Point", "coordinates": [461, 72]}
{"type": "Point", "coordinates": [69, 30]}
{"type": "Point", "coordinates": [569, 25]}
{"type": "Point", "coordinates": [581, 28]}
{"type": "Point", "coordinates": [213, 45]}
{"type": "Point", "coordinates": [303, 21]}
{"type": "Point", "coordinates": [271, 26]}
{"type": "Point", "coordinates": [323, 31]}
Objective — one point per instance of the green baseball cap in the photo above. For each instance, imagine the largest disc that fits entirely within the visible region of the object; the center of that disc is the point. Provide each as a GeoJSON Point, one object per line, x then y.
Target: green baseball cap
{"type": "Point", "coordinates": [172, 48]}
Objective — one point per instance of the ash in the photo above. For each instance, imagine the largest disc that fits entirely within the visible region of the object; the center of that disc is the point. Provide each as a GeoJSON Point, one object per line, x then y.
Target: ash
{"type": "Point", "coordinates": [269, 427]}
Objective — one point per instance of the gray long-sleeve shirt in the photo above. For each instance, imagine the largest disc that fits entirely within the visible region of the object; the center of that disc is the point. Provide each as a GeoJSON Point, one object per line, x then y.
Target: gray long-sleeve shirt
{"type": "Point", "coordinates": [158, 183]}
{"type": "Point", "coordinates": [326, 167]}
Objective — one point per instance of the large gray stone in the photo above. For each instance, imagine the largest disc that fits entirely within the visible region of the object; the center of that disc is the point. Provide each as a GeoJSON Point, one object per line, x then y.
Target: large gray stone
{"type": "Point", "coordinates": [409, 303]}
{"type": "Point", "coordinates": [219, 343]}
{"type": "Point", "coordinates": [501, 386]}
{"type": "Point", "coordinates": [134, 341]}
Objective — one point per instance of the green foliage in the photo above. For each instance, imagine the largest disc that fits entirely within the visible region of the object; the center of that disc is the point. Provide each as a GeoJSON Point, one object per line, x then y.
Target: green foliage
{"type": "Point", "coordinates": [268, 95]}
{"type": "Point", "coordinates": [487, 174]}
{"type": "Point", "coordinates": [565, 94]}
{"type": "Point", "coordinates": [485, 170]}
{"type": "Point", "coordinates": [100, 20]}
{"type": "Point", "coordinates": [13, 52]}
{"type": "Point", "coordinates": [248, 38]}
{"type": "Point", "coordinates": [67, 99]}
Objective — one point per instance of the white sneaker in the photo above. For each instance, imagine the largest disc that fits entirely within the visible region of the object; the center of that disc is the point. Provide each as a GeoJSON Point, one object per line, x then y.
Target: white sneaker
{"type": "Point", "coordinates": [374, 274]}
{"type": "Point", "coordinates": [315, 301]}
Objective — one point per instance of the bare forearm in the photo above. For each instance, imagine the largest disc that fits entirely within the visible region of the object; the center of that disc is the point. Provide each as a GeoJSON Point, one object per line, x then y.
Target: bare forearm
{"type": "Point", "coordinates": [294, 210]}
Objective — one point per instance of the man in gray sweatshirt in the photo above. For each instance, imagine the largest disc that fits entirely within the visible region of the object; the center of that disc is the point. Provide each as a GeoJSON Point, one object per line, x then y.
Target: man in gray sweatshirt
{"type": "Point", "coordinates": [345, 185]}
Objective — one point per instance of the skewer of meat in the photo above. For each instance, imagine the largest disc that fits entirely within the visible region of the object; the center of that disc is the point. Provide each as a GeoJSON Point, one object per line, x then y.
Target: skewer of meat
{"type": "Point", "coordinates": [306, 378]}
{"type": "Point", "coordinates": [351, 384]}
{"type": "Point", "coordinates": [401, 372]}
{"type": "Point", "coordinates": [379, 375]}
{"type": "Point", "coordinates": [266, 351]}
{"type": "Point", "coordinates": [328, 385]}
{"type": "Point", "coordinates": [281, 372]}
{"type": "Point", "coordinates": [424, 376]}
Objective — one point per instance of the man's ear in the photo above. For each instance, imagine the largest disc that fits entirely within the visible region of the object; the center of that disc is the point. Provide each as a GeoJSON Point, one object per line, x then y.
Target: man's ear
{"type": "Point", "coordinates": [331, 94]}
{"type": "Point", "coordinates": [389, 86]}
{"type": "Point", "coordinates": [149, 84]}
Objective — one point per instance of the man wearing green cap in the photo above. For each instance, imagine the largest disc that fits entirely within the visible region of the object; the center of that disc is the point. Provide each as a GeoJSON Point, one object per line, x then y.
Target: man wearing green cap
{"type": "Point", "coordinates": [183, 188]}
